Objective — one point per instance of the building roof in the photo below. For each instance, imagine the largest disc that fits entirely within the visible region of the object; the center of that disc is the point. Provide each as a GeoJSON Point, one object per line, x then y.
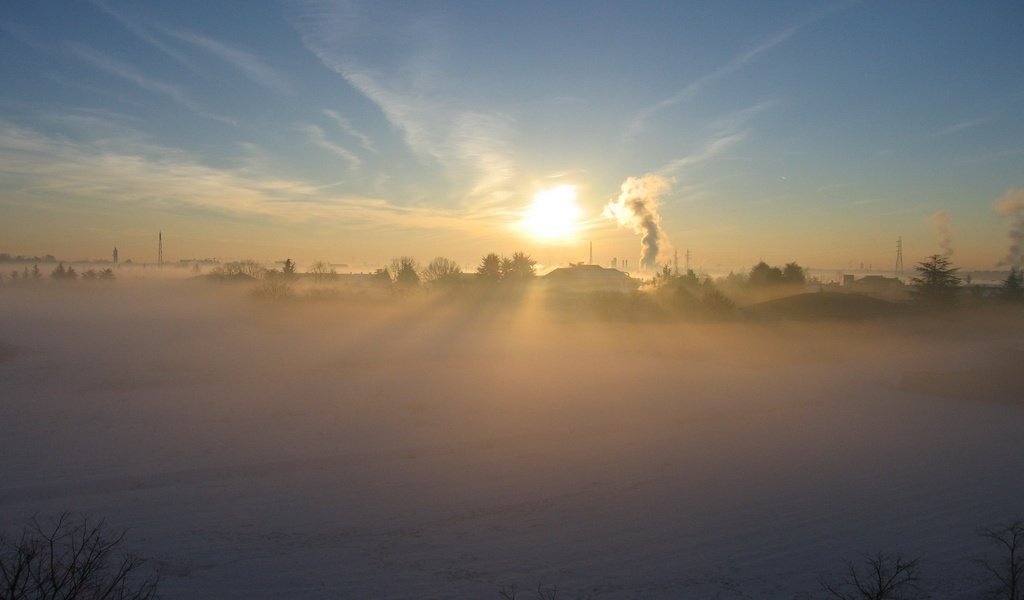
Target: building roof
{"type": "Point", "coordinates": [591, 277]}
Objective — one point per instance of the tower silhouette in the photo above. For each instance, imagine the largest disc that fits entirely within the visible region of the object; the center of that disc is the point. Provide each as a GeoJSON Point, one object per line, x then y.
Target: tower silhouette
{"type": "Point", "coordinates": [160, 250]}
{"type": "Point", "coordinates": [898, 271]}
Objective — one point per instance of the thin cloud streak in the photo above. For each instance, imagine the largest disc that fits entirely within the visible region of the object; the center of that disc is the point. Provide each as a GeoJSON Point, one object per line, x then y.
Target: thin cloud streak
{"type": "Point", "coordinates": [115, 67]}
{"type": "Point", "coordinates": [699, 84]}
{"type": "Point", "coordinates": [713, 149]}
{"type": "Point", "coordinates": [38, 168]}
{"type": "Point", "coordinates": [143, 34]}
{"type": "Point", "coordinates": [958, 127]}
{"type": "Point", "coordinates": [729, 133]}
{"type": "Point", "coordinates": [346, 126]}
{"type": "Point", "coordinates": [316, 136]}
{"type": "Point", "coordinates": [250, 65]}
{"type": "Point", "coordinates": [411, 97]}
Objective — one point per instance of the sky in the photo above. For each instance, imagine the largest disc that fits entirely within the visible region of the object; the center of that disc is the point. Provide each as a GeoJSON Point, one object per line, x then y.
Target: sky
{"type": "Point", "coordinates": [353, 132]}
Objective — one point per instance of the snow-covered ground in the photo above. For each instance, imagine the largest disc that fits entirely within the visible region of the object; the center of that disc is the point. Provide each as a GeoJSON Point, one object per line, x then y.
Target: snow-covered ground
{"type": "Point", "coordinates": [438, 449]}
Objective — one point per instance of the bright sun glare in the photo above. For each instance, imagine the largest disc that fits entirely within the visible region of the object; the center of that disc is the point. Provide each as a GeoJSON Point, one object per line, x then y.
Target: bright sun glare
{"type": "Point", "coordinates": [553, 216]}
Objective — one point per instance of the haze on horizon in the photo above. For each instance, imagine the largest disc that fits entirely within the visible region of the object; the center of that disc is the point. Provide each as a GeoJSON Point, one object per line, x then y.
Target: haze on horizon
{"type": "Point", "coordinates": [354, 132]}
{"type": "Point", "coordinates": [452, 442]}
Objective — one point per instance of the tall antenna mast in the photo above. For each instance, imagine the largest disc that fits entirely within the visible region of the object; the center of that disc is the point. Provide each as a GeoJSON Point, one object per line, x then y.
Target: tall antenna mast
{"type": "Point", "coordinates": [687, 260]}
{"type": "Point", "coordinates": [160, 250]}
{"type": "Point", "coordinates": [898, 273]}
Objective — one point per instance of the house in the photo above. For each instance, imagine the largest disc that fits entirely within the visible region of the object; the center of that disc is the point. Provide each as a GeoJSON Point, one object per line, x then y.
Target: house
{"type": "Point", "coordinates": [589, 278]}
{"type": "Point", "coordinates": [879, 286]}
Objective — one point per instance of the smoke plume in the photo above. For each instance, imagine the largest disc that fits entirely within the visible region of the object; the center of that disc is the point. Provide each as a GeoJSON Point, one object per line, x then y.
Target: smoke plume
{"type": "Point", "coordinates": [1011, 205]}
{"type": "Point", "coordinates": [944, 229]}
{"type": "Point", "coordinates": [637, 209]}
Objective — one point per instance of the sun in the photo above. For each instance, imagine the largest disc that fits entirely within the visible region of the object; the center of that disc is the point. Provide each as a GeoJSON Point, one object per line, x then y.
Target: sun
{"type": "Point", "coordinates": [553, 216]}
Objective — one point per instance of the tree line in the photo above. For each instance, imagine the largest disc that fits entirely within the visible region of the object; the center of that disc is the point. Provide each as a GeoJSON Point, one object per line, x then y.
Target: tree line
{"type": "Point", "coordinates": [403, 272]}
{"type": "Point", "coordinates": [59, 273]}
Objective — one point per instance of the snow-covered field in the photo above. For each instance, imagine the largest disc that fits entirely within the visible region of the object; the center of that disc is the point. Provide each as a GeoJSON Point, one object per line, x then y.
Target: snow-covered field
{"type": "Point", "coordinates": [439, 449]}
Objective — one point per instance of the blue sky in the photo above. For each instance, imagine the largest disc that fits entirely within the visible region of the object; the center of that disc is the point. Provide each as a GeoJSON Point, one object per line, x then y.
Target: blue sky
{"type": "Point", "coordinates": [353, 132]}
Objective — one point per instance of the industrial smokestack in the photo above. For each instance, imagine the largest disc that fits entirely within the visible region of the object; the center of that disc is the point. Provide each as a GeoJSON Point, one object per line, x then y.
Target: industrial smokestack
{"type": "Point", "coordinates": [944, 229]}
{"type": "Point", "coordinates": [637, 208]}
{"type": "Point", "coordinates": [1011, 205]}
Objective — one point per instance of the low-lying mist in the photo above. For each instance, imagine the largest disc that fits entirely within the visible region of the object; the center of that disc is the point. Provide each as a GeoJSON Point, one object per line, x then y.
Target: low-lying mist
{"type": "Point", "coordinates": [348, 443]}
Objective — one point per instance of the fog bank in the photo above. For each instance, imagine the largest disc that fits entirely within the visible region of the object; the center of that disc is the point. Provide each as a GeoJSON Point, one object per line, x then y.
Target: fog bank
{"type": "Point", "coordinates": [425, 447]}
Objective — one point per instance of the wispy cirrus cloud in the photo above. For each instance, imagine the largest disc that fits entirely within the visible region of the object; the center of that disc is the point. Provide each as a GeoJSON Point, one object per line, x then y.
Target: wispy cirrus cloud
{"type": "Point", "coordinates": [316, 136]}
{"type": "Point", "coordinates": [143, 32]}
{"type": "Point", "coordinates": [253, 67]}
{"type": "Point", "coordinates": [733, 65]}
{"type": "Point", "coordinates": [250, 65]}
{"type": "Point", "coordinates": [40, 168]}
{"type": "Point", "coordinates": [692, 89]}
{"type": "Point", "coordinates": [961, 126]}
{"type": "Point", "coordinates": [113, 66]}
{"type": "Point", "coordinates": [728, 131]}
{"type": "Point", "coordinates": [715, 147]}
{"type": "Point", "coordinates": [413, 93]}
{"type": "Point", "coordinates": [346, 126]}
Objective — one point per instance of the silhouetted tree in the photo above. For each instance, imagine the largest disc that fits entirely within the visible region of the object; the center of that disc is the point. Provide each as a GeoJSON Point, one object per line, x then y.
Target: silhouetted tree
{"type": "Point", "coordinates": [664, 279]}
{"type": "Point", "coordinates": [490, 268]}
{"type": "Point", "coordinates": [107, 274]}
{"type": "Point", "coordinates": [239, 270]}
{"type": "Point", "coordinates": [881, 577]}
{"type": "Point", "coordinates": [506, 267]}
{"type": "Point", "coordinates": [59, 273]}
{"type": "Point", "coordinates": [404, 272]}
{"type": "Point", "coordinates": [442, 271]}
{"type": "Point", "coordinates": [288, 269]}
{"type": "Point", "coordinates": [321, 271]}
{"type": "Point", "coordinates": [1006, 571]}
{"type": "Point", "coordinates": [689, 279]}
{"type": "Point", "coordinates": [1012, 285]}
{"type": "Point", "coordinates": [762, 275]}
{"type": "Point", "coordinates": [520, 267]}
{"type": "Point", "coordinates": [70, 559]}
{"type": "Point", "coordinates": [937, 281]}
{"type": "Point", "coordinates": [793, 273]}
{"type": "Point", "coordinates": [36, 274]}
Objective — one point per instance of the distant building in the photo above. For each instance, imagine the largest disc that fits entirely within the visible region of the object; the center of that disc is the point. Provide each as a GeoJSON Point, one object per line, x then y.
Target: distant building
{"type": "Point", "coordinates": [590, 278]}
{"type": "Point", "coordinates": [113, 256]}
{"type": "Point", "coordinates": [889, 288]}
